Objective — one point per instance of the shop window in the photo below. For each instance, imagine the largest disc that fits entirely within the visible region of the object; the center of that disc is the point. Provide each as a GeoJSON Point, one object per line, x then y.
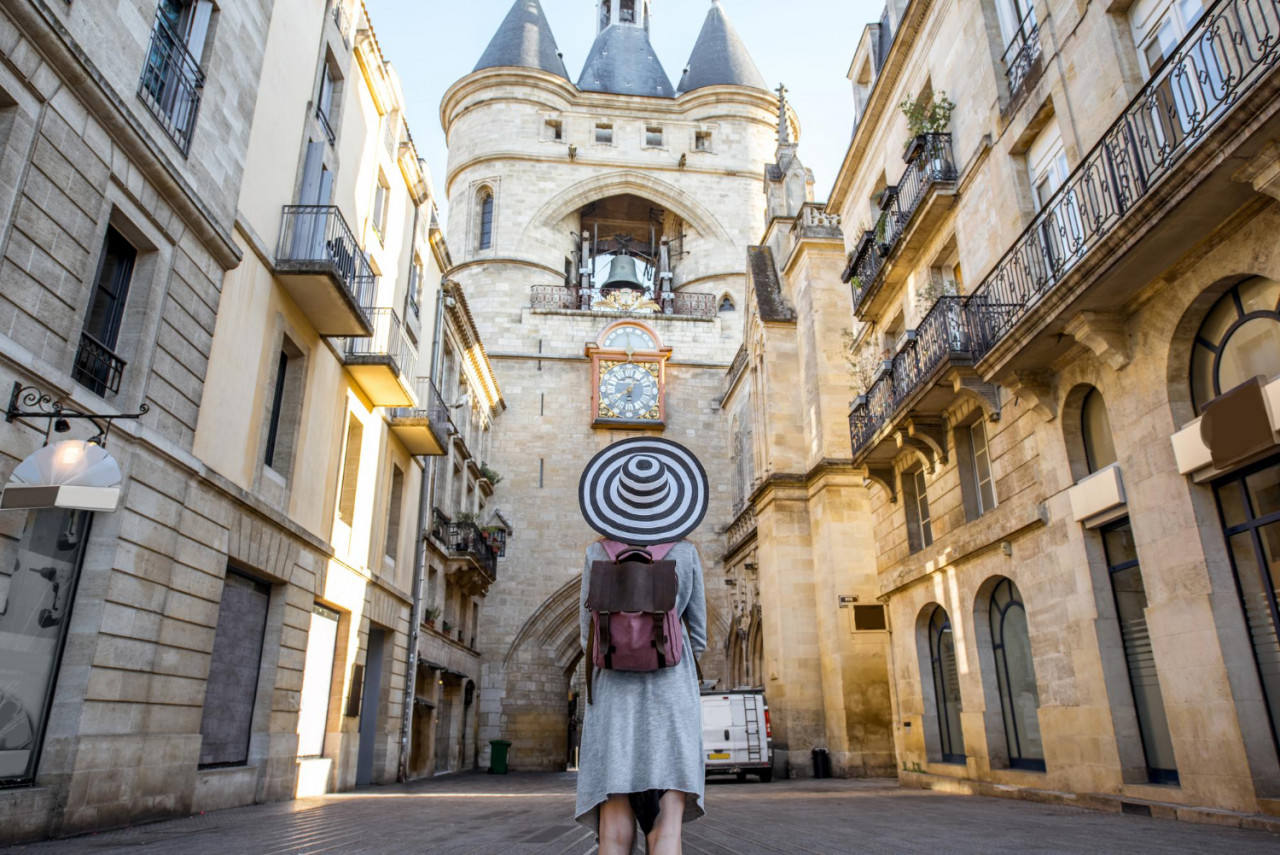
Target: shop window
{"type": "Point", "coordinates": [1016, 677]}
{"type": "Point", "coordinates": [1239, 340]}
{"type": "Point", "coordinates": [1131, 611]}
{"type": "Point", "coordinates": [946, 686]}
{"type": "Point", "coordinates": [97, 366]}
{"type": "Point", "coordinates": [916, 505]}
{"type": "Point", "coordinates": [231, 691]}
{"type": "Point", "coordinates": [39, 573]}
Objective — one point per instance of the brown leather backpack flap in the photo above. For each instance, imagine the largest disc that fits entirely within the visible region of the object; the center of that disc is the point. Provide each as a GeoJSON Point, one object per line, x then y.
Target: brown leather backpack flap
{"type": "Point", "coordinates": [632, 587]}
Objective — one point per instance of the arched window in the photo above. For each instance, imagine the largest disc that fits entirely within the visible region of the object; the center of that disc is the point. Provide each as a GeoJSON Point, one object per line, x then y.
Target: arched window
{"type": "Point", "coordinates": [1239, 339]}
{"type": "Point", "coordinates": [486, 219]}
{"type": "Point", "coordinates": [726, 303]}
{"type": "Point", "coordinates": [1016, 677]}
{"type": "Point", "coordinates": [946, 686]}
{"type": "Point", "coordinates": [1095, 428]}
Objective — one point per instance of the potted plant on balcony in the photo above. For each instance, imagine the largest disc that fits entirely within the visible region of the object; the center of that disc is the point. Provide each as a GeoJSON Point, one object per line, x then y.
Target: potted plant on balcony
{"type": "Point", "coordinates": [926, 113]}
{"type": "Point", "coordinates": [489, 474]}
{"type": "Point", "coordinates": [883, 246]}
{"type": "Point", "coordinates": [430, 616]}
{"type": "Point", "coordinates": [448, 628]}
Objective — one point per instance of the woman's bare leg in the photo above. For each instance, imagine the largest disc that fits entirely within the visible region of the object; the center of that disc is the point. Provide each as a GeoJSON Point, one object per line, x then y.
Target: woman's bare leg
{"type": "Point", "coordinates": [617, 826]}
{"type": "Point", "coordinates": [664, 839]}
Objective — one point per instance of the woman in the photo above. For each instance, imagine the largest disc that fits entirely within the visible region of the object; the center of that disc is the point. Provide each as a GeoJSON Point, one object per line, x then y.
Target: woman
{"type": "Point", "coordinates": [641, 754]}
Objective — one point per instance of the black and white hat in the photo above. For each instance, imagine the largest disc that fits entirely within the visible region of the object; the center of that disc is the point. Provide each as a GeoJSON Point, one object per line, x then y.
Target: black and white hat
{"type": "Point", "coordinates": [644, 491]}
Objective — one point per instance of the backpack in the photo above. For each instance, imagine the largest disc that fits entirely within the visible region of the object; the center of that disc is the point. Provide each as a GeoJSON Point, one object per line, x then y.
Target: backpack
{"type": "Point", "coordinates": [632, 600]}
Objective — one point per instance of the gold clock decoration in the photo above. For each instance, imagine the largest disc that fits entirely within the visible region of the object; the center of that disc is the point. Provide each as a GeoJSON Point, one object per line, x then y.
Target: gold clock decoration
{"type": "Point", "coordinates": [628, 372]}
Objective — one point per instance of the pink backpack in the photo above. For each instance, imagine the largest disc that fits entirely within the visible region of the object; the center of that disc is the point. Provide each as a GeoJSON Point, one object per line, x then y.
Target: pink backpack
{"type": "Point", "coordinates": [632, 600]}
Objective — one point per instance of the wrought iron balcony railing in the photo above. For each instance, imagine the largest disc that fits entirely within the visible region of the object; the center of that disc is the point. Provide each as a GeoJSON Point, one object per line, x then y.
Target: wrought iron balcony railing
{"type": "Point", "coordinates": [930, 165]}
{"type": "Point", "coordinates": [955, 329]}
{"type": "Point", "coordinates": [389, 342]}
{"type": "Point", "coordinates": [171, 84]}
{"type": "Point", "coordinates": [341, 21]}
{"type": "Point", "coordinates": [683, 303]}
{"type": "Point", "coordinates": [325, 126]}
{"type": "Point", "coordinates": [466, 539]}
{"type": "Point", "coordinates": [316, 237]}
{"type": "Point", "coordinates": [1232, 46]}
{"type": "Point", "coordinates": [96, 367]}
{"type": "Point", "coordinates": [431, 408]}
{"type": "Point", "coordinates": [1023, 52]}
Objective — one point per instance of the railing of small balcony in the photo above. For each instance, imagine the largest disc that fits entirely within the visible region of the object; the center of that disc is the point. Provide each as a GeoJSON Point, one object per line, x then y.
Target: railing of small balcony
{"type": "Point", "coordinates": [1023, 51]}
{"type": "Point", "coordinates": [683, 303]}
{"type": "Point", "coordinates": [171, 84]}
{"type": "Point", "coordinates": [341, 20]}
{"type": "Point", "coordinates": [389, 341]}
{"type": "Point", "coordinates": [431, 406]}
{"type": "Point", "coordinates": [1228, 50]}
{"type": "Point", "coordinates": [956, 327]}
{"type": "Point", "coordinates": [930, 164]}
{"type": "Point", "coordinates": [325, 126]}
{"type": "Point", "coordinates": [316, 237]}
{"type": "Point", "coordinates": [464, 538]}
{"type": "Point", "coordinates": [96, 367]}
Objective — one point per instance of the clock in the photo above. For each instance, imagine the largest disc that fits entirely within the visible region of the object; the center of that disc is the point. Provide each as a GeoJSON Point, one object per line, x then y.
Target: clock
{"type": "Point", "coordinates": [628, 378]}
{"type": "Point", "coordinates": [629, 390]}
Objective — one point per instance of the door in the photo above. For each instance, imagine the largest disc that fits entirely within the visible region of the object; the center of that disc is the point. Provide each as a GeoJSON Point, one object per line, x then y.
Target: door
{"type": "Point", "coordinates": [317, 680]}
{"type": "Point", "coordinates": [717, 730]}
{"type": "Point", "coordinates": [370, 710]}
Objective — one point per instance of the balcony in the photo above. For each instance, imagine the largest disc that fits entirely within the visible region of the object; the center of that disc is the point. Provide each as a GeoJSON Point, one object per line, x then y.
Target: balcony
{"type": "Point", "coordinates": [1022, 57]}
{"type": "Point", "coordinates": [383, 362]}
{"type": "Point", "coordinates": [904, 405]}
{"type": "Point", "coordinates": [684, 304]}
{"type": "Point", "coordinates": [465, 541]}
{"type": "Point", "coordinates": [425, 428]}
{"type": "Point", "coordinates": [324, 270]}
{"type": "Point", "coordinates": [96, 367]}
{"type": "Point", "coordinates": [171, 84]}
{"type": "Point", "coordinates": [914, 206]}
{"type": "Point", "coordinates": [1158, 181]}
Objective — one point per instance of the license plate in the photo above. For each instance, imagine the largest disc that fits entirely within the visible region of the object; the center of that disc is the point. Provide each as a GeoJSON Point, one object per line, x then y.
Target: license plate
{"type": "Point", "coordinates": [719, 755]}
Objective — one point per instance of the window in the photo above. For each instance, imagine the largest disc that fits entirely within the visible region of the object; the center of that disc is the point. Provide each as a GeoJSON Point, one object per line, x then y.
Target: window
{"type": "Point", "coordinates": [350, 470]}
{"type": "Point", "coordinates": [97, 365]}
{"type": "Point", "coordinates": [869, 619]}
{"type": "Point", "coordinates": [1095, 428]}
{"type": "Point", "coordinates": [285, 415]}
{"type": "Point", "coordinates": [555, 130]}
{"type": "Point", "coordinates": [916, 501]}
{"type": "Point", "coordinates": [1131, 612]}
{"type": "Point", "coordinates": [413, 294]}
{"type": "Point", "coordinates": [1159, 25]}
{"type": "Point", "coordinates": [606, 13]}
{"type": "Point", "coordinates": [1239, 339]}
{"type": "Point", "coordinates": [946, 686]}
{"type": "Point", "coordinates": [980, 458]}
{"type": "Point", "coordinates": [277, 404]}
{"type": "Point", "coordinates": [702, 141]}
{"type": "Point", "coordinates": [380, 194]}
{"type": "Point", "coordinates": [232, 687]}
{"type": "Point", "coordinates": [171, 80]}
{"type": "Point", "coordinates": [653, 136]}
{"type": "Point", "coordinates": [1249, 503]}
{"type": "Point", "coordinates": [726, 303]}
{"type": "Point", "coordinates": [39, 573]}
{"type": "Point", "coordinates": [391, 548]}
{"type": "Point", "coordinates": [604, 133]}
{"type": "Point", "coordinates": [324, 101]}
{"type": "Point", "coordinates": [1047, 165]}
{"type": "Point", "coordinates": [1016, 677]}
{"type": "Point", "coordinates": [317, 681]}
{"type": "Point", "coordinates": [486, 220]}
{"type": "Point", "coordinates": [627, 11]}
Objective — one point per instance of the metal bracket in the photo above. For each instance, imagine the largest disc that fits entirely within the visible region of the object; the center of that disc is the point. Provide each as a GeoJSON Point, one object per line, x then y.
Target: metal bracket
{"type": "Point", "coordinates": [56, 413]}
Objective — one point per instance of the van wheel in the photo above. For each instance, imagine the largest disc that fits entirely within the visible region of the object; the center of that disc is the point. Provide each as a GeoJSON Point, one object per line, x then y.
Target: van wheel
{"type": "Point", "coordinates": [766, 776]}
{"type": "Point", "coordinates": [742, 776]}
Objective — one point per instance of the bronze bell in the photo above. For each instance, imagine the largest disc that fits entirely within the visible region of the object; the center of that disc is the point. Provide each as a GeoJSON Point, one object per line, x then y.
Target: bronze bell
{"type": "Point", "coordinates": [622, 274]}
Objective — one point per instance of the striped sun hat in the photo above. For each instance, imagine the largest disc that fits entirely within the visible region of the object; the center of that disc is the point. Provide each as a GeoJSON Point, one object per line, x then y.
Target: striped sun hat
{"type": "Point", "coordinates": [644, 491]}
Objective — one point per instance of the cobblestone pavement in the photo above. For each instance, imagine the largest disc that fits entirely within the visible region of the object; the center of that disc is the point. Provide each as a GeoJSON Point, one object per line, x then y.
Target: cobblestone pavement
{"type": "Point", "coordinates": [478, 814]}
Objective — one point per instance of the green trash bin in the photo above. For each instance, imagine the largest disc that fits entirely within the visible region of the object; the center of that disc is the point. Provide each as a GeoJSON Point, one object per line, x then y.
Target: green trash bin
{"type": "Point", "coordinates": [498, 756]}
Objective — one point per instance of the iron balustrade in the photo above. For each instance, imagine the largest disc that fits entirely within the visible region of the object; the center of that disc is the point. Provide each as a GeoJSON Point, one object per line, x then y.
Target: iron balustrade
{"type": "Point", "coordinates": [552, 297]}
{"type": "Point", "coordinates": [683, 303]}
{"type": "Point", "coordinates": [316, 237]}
{"type": "Point", "coordinates": [692, 305]}
{"type": "Point", "coordinates": [96, 367]}
{"type": "Point", "coordinates": [171, 84]}
{"type": "Point", "coordinates": [464, 538]}
{"type": "Point", "coordinates": [325, 125]}
{"type": "Point", "coordinates": [431, 406]}
{"type": "Point", "coordinates": [931, 164]}
{"type": "Point", "coordinates": [1224, 54]}
{"type": "Point", "coordinates": [1023, 52]}
{"type": "Point", "coordinates": [389, 341]}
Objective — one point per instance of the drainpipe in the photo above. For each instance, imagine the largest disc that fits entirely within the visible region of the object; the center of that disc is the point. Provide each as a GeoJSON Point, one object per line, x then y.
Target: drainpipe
{"type": "Point", "coordinates": [426, 501]}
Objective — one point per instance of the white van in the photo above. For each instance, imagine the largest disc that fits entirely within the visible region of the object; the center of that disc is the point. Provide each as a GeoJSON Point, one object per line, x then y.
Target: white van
{"type": "Point", "coordinates": [737, 738]}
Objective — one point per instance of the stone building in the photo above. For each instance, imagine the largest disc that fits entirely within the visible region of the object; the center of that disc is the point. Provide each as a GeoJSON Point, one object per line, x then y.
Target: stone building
{"type": "Point", "coordinates": [218, 217]}
{"type": "Point", "coordinates": [1057, 225]}
{"type": "Point", "coordinates": [597, 227]}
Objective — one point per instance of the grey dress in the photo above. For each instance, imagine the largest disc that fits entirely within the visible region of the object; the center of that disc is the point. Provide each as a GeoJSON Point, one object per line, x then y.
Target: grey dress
{"type": "Point", "coordinates": [644, 730]}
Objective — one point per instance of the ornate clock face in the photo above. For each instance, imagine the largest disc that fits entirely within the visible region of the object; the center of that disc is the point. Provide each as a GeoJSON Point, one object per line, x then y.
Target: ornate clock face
{"type": "Point", "coordinates": [629, 339]}
{"type": "Point", "coordinates": [629, 390]}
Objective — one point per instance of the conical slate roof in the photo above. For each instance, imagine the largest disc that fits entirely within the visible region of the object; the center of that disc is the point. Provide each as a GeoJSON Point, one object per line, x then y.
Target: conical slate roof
{"type": "Point", "coordinates": [524, 40]}
{"type": "Point", "coordinates": [719, 57]}
{"type": "Point", "coordinates": [622, 62]}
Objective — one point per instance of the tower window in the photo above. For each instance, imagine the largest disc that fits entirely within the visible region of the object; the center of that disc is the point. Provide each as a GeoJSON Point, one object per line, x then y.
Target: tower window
{"type": "Point", "coordinates": [555, 130]}
{"type": "Point", "coordinates": [604, 133]}
{"type": "Point", "coordinates": [486, 220]}
{"type": "Point", "coordinates": [702, 140]}
{"type": "Point", "coordinates": [627, 12]}
{"type": "Point", "coordinates": [653, 136]}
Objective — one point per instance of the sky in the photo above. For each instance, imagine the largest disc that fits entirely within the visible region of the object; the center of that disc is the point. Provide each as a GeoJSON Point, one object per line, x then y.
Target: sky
{"type": "Point", "coordinates": [806, 44]}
